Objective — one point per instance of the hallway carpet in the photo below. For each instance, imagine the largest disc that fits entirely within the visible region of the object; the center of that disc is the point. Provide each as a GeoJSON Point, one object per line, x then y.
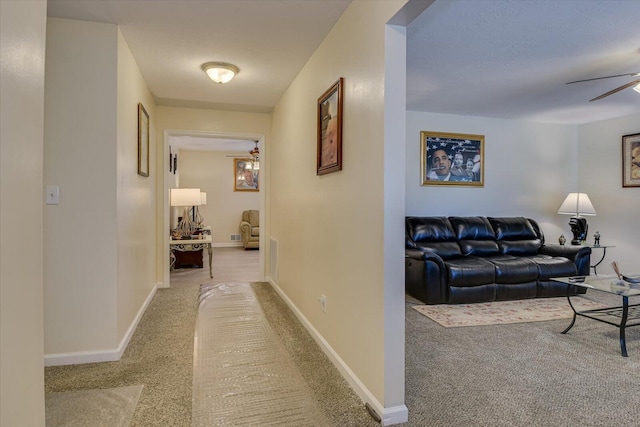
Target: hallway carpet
{"type": "Point", "coordinates": [160, 353]}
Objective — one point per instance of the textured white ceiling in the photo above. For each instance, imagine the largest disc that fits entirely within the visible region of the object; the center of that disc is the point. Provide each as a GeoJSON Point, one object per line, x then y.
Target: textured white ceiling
{"type": "Point", "coordinates": [512, 58]}
{"type": "Point", "coordinates": [492, 58]}
{"type": "Point", "coordinates": [269, 40]}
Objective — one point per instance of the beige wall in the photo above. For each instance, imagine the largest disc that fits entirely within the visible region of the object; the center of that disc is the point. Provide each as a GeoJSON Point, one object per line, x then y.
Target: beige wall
{"type": "Point", "coordinates": [330, 228]}
{"type": "Point", "coordinates": [135, 199]}
{"type": "Point", "coordinates": [560, 158]}
{"type": "Point", "coordinates": [600, 176]}
{"type": "Point", "coordinates": [80, 260]}
{"type": "Point", "coordinates": [99, 241]}
{"type": "Point", "coordinates": [537, 171]}
{"type": "Point", "coordinates": [184, 121]}
{"type": "Point", "coordinates": [22, 55]}
{"type": "Point", "coordinates": [213, 173]}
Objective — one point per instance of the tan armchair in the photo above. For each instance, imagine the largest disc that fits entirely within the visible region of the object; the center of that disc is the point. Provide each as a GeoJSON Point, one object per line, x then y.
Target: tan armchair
{"type": "Point", "coordinates": [250, 229]}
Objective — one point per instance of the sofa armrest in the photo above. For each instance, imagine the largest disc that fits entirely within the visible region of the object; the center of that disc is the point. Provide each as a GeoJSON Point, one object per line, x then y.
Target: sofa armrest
{"type": "Point", "coordinates": [580, 255]}
{"type": "Point", "coordinates": [425, 276]}
{"type": "Point", "coordinates": [417, 254]}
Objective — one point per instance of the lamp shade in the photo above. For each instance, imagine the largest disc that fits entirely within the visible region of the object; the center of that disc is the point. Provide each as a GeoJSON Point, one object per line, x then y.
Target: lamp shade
{"type": "Point", "coordinates": [185, 197]}
{"type": "Point", "coordinates": [577, 204]}
{"type": "Point", "coordinates": [203, 198]}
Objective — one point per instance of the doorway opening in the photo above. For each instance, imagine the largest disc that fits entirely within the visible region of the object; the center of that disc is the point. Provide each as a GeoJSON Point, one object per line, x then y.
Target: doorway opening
{"type": "Point", "coordinates": [232, 146]}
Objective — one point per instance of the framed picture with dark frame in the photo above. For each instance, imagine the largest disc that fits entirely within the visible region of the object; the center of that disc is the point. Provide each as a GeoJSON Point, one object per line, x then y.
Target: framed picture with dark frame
{"type": "Point", "coordinates": [329, 152]}
{"type": "Point", "coordinates": [451, 159]}
{"type": "Point", "coordinates": [143, 141]}
{"type": "Point", "coordinates": [631, 160]}
{"type": "Point", "coordinates": [245, 178]}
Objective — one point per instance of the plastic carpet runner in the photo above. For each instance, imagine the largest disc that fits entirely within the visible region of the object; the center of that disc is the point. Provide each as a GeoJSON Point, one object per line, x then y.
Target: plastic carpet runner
{"type": "Point", "coordinates": [242, 374]}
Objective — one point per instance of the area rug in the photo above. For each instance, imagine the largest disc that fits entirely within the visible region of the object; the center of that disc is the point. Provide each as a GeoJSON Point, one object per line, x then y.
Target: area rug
{"type": "Point", "coordinates": [504, 312]}
{"type": "Point", "coordinates": [112, 407]}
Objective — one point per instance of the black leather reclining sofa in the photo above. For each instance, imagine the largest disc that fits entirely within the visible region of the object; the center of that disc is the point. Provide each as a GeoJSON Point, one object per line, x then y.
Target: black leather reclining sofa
{"type": "Point", "coordinates": [478, 259]}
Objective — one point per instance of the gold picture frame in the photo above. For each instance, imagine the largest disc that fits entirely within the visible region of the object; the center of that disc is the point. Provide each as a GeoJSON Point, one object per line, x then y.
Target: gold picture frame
{"type": "Point", "coordinates": [245, 178]}
{"type": "Point", "coordinates": [451, 159]}
{"type": "Point", "coordinates": [631, 160]}
{"type": "Point", "coordinates": [143, 141]}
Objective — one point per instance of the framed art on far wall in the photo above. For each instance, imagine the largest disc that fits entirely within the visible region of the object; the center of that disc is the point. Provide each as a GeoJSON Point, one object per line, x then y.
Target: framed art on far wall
{"type": "Point", "coordinates": [329, 152]}
{"type": "Point", "coordinates": [244, 176]}
{"type": "Point", "coordinates": [143, 141]}
{"type": "Point", "coordinates": [451, 159]}
{"type": "Point", "coordinates": [631, 160]}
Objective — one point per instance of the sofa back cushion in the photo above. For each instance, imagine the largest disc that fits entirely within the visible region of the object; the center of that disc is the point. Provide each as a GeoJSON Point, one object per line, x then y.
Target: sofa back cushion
{"type": "Point", "coordinates": [432, 234]}
{"type": "Point", "coordinates": [475, 235]}
{"type": "Point", "coordinates": [516, 235]}
{"type": "Point", "coordinates": [252, 217]}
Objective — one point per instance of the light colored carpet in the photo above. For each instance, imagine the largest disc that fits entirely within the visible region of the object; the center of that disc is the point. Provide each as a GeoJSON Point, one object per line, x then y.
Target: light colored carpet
{"type": "Point", "coordinates": [112, 407]}
{"type": "Point", "coordinates": [242, 373]}
{"type": "Point", "coordinates": [521, 374]}
{"type": "Point", "coordinates": [504, 312]}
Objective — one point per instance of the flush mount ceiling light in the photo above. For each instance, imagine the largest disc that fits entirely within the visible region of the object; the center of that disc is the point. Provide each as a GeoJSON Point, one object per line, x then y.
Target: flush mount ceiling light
{"type": "Point", "coordinates": [220, 72]}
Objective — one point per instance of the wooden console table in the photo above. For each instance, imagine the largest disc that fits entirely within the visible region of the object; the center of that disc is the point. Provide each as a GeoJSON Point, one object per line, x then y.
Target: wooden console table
{"type": "Point", "coordinates": [194, 245]}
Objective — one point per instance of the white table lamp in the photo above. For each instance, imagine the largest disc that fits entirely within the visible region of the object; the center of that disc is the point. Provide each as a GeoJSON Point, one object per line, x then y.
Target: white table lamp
{"type": "Point", "coordinates": [578, 205]}
{"type": "Point", "coordinates": [185, 197]}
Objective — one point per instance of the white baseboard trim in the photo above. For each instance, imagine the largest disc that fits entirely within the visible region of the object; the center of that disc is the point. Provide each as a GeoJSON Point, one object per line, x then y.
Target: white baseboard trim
{"type": "Point", "coordinates": [227, 245]}
{"type": "Point", "coordinates": [389, 416]}
{"type": "Point", "coordinates": [107, 355]}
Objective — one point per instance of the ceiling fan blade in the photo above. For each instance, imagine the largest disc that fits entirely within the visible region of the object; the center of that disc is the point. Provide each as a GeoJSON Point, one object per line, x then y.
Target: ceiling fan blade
{"type": "Point", "coordinates": [618, 89]}
{"type": "Point", "coordinates": [606, 77]}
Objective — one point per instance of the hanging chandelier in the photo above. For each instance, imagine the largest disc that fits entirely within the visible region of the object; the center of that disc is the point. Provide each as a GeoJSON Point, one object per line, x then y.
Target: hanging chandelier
{"type": "Point", "coordinates": [255, 159]}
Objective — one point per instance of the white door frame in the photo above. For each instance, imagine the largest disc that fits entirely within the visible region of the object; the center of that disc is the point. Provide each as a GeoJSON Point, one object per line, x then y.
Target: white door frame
{"type": "Point", "coordinates": [168, 134]}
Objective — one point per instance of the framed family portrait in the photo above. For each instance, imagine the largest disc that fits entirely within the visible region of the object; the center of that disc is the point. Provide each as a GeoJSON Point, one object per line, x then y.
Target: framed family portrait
{"type": "Point", "coordinates": [631, 160]}
{"type": "Point", "coordinates": [143, 141]}
{"type": "Point", "coordinates": [245, 177]}
{"type": "Point", "coordinates": [329, 155]}
{"type": "Point", "coordinates": [451, 159]}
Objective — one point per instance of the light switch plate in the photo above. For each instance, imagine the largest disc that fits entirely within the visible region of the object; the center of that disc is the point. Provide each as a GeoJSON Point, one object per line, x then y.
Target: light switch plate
{"type": "Point", "coordinates": [53, 195]}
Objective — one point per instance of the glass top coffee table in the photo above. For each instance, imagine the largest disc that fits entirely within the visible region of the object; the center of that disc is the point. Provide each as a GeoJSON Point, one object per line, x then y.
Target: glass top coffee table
{"type": "Point", "coordinates": [622, 317]}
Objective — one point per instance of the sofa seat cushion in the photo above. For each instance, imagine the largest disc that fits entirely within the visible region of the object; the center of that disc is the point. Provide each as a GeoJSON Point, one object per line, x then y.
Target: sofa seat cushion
{"type": "Point", "coordinates": [510, 269]}
{"type": "Point", "coordinates": [470, 271]}
{"type": "Point", "coordinates": [255, 231]}
{"type": "Point", "coordinates": [549, 266]}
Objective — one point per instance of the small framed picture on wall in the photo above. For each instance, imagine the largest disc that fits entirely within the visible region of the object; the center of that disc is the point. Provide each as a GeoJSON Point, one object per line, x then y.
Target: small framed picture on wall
{"type": "Point", "coordinates": [245, 176]}
{"type": "Point", "coordinates": [143, 141]}
{"type": "Point", "coordinates": [329, 150]}
{"type": "Point", "coordinates": [631, 160]}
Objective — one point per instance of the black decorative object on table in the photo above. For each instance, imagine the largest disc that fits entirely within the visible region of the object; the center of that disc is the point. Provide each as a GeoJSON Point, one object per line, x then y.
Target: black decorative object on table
{"type": "Point", "coordinates": [579, 228]}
